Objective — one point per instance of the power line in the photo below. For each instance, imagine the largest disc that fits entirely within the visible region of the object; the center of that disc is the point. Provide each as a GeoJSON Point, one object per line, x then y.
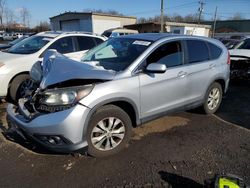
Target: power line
{"type": "Point", "coordinates": [168, 8]}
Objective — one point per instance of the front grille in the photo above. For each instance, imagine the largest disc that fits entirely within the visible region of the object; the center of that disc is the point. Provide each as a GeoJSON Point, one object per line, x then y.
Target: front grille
{"type": "Point", "coordinates": [50, 109]}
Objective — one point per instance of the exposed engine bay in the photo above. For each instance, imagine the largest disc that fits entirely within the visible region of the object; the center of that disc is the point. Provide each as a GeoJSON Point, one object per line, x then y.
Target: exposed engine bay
{"type": "Point", "coordinates": [240, 67]}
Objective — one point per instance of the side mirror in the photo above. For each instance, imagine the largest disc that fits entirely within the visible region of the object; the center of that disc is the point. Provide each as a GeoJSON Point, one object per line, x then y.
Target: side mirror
{"type": "Point", "coordinates": [156, 68]}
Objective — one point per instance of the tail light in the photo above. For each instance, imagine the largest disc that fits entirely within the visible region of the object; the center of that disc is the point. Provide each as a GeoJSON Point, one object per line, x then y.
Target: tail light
{"type": "Point", "coordinates": [228, 59]}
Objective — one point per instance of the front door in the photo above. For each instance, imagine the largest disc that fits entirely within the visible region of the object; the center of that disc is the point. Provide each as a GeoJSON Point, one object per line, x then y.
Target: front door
{"type": "Point", "coordinates": [161, 92]}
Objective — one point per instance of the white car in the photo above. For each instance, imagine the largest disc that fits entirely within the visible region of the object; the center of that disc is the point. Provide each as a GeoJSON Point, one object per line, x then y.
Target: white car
{"type": "Point", "coordinates": [16, 62]}
{"type": "Point", "coordinates": [240, 60]}
{"type": "Point", "coordinates": [8, 36]}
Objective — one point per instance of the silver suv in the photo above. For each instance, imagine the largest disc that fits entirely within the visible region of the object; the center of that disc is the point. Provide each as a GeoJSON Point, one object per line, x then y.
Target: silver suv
{"type": "Point", "coordinates": [118, 85]}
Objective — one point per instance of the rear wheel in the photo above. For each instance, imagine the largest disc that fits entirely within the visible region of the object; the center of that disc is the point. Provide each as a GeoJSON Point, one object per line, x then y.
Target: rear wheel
{"type": "Point", "coordinates": [109, 131]}
{"type": "Point", "coordinates": [213, 98]}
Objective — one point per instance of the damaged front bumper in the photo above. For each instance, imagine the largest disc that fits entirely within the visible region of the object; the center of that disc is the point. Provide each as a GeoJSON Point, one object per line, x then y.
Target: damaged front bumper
{"type": "Point", "coordinates": [60, 131]}
{"type": "Point", "coordinates": [240, 67]}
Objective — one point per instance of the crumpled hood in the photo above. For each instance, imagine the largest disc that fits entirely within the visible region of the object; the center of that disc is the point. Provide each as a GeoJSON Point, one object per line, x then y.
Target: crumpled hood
{"type": "Point", "coordinates": [58, 68]}
{"type": "Point", "coordinates": [7, 57]}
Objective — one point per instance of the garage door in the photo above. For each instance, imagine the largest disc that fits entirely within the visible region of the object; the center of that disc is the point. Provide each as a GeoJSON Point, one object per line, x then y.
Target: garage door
{"type": "Point", "coordinates": [72, 25]}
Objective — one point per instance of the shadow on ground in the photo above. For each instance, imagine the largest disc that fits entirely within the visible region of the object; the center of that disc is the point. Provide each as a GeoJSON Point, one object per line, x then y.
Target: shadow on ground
{"type": "Point", "coordinates": [11, 134]}
{"type": "Point", "coordinates": [177, 181]}
{"type": "Point", "coordinates": [235, 106]}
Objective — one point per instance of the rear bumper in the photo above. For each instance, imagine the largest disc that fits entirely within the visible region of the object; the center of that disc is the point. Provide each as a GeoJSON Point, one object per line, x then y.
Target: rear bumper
{"type": "Point", "coordinates": [68, 125]}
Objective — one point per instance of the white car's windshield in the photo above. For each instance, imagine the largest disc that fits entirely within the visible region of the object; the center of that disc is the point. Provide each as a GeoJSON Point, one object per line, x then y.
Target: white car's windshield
{"type": "Point", "coordinates": [117, 53]}
{"type": "Point", "coordinates": [244, 44]}
{"type": "Point", "coordinates": [29, 45]}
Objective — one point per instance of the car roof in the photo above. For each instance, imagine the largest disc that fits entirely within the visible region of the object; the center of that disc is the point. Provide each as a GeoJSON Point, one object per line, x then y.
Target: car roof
{"type": "Point", "coordinates": [157, 36]}
{"type": "Point", "coordinates": [54, 34]}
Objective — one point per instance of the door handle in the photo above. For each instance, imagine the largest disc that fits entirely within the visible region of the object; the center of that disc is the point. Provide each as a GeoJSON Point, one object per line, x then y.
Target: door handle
{"type": "Point", "coordinates": [182, 74]}
{"type": "Point", "coordinates": [211, 66]}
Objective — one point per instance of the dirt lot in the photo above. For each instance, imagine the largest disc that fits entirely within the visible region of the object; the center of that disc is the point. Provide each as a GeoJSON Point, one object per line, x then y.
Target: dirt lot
{"type": "Point", "coordinates": [181, 150]}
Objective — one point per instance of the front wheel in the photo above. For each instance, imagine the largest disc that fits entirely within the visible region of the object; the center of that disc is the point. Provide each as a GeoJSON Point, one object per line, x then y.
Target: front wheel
{"type": "Point", "coordinates": [213, 98]}
{"type": "Point", "coordinates": [109, 131]}
{"type": "Point", "coordinates": [20, 85]}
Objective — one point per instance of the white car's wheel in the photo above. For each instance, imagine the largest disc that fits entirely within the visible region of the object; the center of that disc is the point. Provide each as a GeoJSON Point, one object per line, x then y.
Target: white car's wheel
{"type": "Point", "coordinates": [19, 86]}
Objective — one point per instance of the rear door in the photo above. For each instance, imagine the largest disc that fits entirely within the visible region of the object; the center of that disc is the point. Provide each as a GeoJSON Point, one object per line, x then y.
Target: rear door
{"type": "Point", "coordinates": [165, 91]}
{"type": "Point", "coordinates": [201, 67]}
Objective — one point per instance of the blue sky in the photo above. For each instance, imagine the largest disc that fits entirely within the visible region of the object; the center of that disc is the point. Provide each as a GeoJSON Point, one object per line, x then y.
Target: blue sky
{"type": "Point", "coordinates": [43, 9]}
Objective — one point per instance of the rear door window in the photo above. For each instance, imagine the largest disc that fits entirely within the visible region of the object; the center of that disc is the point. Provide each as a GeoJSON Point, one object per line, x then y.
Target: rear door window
{"type": "Point", "coordinates": [85, 43]}
{"type": "Point", "coordinates": [197, 51]}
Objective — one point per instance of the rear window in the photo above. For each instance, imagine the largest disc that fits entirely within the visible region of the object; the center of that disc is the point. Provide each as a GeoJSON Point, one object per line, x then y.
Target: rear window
{"type": "Point", "coordinates": [197, 51]}
{"type": "Point", "coordinates": [215, 51]}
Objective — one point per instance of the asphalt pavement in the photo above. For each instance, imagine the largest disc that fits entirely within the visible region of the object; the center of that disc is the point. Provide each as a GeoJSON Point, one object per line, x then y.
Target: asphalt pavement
{"type": "Point", "coordinates": [181, 150]}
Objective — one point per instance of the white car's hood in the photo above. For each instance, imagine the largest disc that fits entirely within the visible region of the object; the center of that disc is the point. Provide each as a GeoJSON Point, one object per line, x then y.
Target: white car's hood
{"type": "Point", "coordinates": [7, 57]}
{"type": "Point", "coordinates": [237, 54]}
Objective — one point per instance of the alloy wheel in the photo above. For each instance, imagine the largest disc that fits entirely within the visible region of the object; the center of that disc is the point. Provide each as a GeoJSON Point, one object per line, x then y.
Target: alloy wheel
{"type": "Point", "coordinates": [27, 85]}
{"type": "Point", "coordinates": [213, 98]}
{"type": "Point", "coordinates": [108, 134]}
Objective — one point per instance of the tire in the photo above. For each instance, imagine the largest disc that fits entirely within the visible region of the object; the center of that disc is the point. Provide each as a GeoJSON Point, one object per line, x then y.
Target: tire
{"type": "Point", "coordinates": [14, 91]}
{"type": "Point", "coordinates": [98, 128]}
{"type": "Point", "coordinates": [213, 99]}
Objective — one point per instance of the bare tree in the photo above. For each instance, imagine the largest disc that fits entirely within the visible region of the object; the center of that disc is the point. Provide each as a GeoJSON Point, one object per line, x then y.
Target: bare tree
{"type": "Point", "coordinates": [9, 17]}
{"type": "Point", "coordinates": [43, 26]}
{"type": "Point", "coordinates": [113, 12]}
{"type": "Point", "coordinates": [25, 16]}
{"type": "Point", "coordinates": [237, 16]}
{"type": "Point", "coordinates": [2, 9]}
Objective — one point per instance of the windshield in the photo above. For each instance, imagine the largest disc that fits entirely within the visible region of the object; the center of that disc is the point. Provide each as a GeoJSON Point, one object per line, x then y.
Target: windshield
{"type": "Point", "coordinates": [17, 40]}
{"type": "Point", "coordinates": [29, 45]}
{"type": "Point", "coordinates": [116, 53]}
{"type": "Point", "coordinates": [245, 44]}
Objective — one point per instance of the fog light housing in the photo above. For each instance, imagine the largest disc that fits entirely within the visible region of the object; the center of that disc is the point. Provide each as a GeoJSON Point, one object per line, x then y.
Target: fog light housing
{"type": "Point", "coordinates": [53, 140]}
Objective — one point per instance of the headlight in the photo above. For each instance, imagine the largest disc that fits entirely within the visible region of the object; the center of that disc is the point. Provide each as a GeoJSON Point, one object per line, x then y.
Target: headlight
{"type": "Point", "coordinates": [66, 96]}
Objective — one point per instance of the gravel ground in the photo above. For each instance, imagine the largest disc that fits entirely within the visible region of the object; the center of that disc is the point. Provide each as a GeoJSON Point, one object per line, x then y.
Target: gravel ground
{"type": "Point", "coordinates": [181, 150]}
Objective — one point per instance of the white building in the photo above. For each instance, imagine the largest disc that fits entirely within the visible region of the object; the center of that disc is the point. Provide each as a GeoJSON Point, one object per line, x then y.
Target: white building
{"type": "Point", "coordinates": [89, 22]}
{"type": "Point", "coordinates": [188, 29]}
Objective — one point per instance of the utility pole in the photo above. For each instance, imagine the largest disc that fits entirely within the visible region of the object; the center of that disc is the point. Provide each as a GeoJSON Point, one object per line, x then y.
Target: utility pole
{"type": "Point", "coordinates": [215, 19]}
{"type": "Point", "coordinates": [201, 9]}
{"type": "Point", "coordinates": [162, 16]}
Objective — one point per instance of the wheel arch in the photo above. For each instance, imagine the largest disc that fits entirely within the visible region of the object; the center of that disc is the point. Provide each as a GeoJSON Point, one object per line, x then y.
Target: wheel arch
{"type": "Point", "coordinates": [222, 82]}
{"type": "Point", "coordinates": [8, 98]}
{"type": "Point", "coordinates": [20, 73]}
{"type": "Point", "coordinates": [124, 103]}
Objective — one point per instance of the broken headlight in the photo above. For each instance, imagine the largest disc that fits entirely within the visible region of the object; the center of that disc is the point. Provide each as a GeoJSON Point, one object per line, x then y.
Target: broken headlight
{"type": "Point", "coordinates": [66, 96]}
